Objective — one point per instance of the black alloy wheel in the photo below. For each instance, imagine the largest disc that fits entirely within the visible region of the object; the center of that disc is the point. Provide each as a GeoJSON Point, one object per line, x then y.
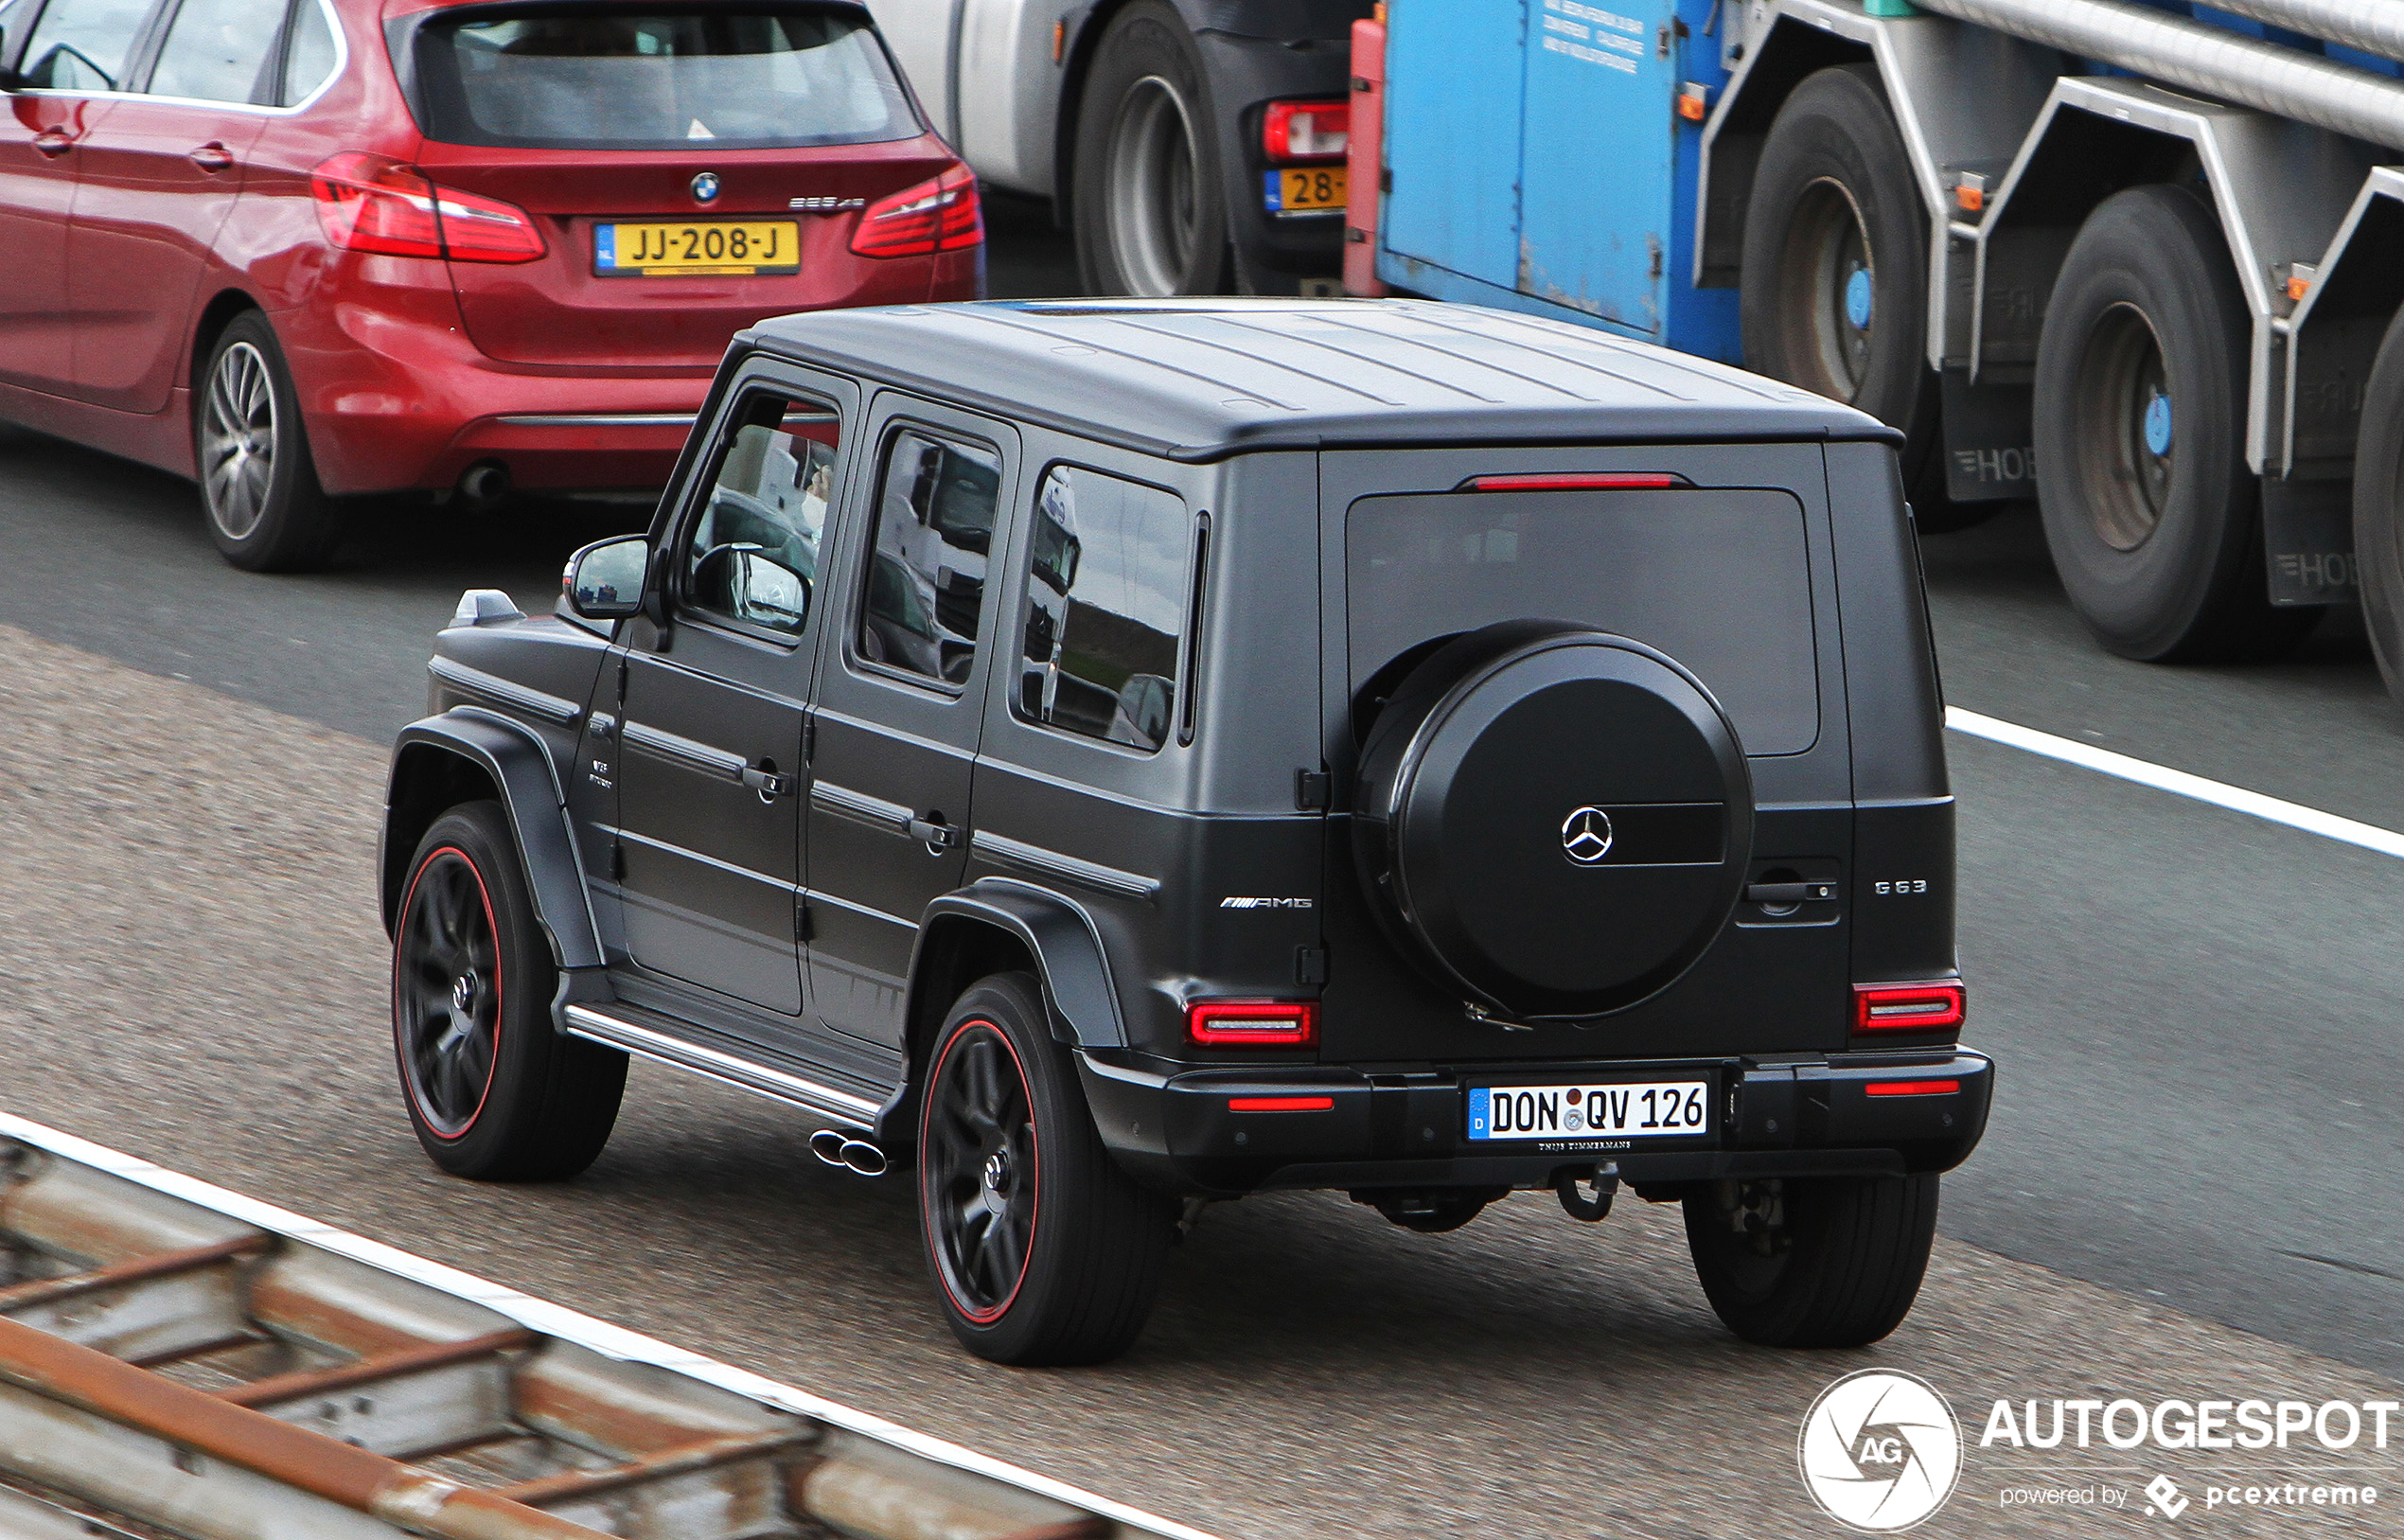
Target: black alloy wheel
{"type": "Point", "coordinates": [259, 491]}
{"type": "Point", "coordinates": [2378, 507]}
{"type": "Point", "coordinates": [447, 991]}
{"type": "Point", "coordinates": [2151, 512]}
{"type": "Point", "coordinates": [494, 1090]}
{"type": "Point", "coordinates": [1825, 1262]}
{"type": "Point", "coordinates": [1043, 1249]}
{"type": "Point", "coordinates": [1149, 205]}
{"type": "Point", "coordinates": [1835, 297]}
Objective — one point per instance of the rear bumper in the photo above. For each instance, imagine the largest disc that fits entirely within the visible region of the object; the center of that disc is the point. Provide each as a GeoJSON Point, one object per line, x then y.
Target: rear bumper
{"type": "Point", "coordinates": [1180, 1131]}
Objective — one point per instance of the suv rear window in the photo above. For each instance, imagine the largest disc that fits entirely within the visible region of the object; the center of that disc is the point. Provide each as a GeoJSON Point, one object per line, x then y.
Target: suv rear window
{"type": "Point", "coordinates": [584, 77]}
{"type": "Point", "coordinates": [1719, 579]}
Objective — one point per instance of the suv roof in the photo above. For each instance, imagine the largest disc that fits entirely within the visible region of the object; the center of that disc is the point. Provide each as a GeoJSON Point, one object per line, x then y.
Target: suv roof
{"type": "Point", "coordinates": [1200, 379]}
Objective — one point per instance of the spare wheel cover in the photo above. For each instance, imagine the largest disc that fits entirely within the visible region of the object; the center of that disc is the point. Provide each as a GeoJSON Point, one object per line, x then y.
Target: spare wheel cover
{"type": "Point", "coordinates": [1566, 829]}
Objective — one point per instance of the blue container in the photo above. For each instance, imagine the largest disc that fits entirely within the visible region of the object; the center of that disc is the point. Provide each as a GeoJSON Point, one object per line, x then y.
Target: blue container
{"type": "Point", "coordinates": [1537, 162]}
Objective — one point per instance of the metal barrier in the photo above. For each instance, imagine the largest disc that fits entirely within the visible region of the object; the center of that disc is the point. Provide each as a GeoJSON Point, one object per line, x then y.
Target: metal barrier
{"type": "Point", "coordinates": [199, 1365]}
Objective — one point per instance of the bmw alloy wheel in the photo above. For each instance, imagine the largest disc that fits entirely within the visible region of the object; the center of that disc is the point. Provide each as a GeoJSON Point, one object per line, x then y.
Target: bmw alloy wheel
{"type": "Point", "coordinates": [239, 438]}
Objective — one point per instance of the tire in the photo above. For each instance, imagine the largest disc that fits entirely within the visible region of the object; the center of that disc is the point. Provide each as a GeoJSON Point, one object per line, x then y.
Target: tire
{"type": "Point", "coordinates": [1150, 200]}
{"type": "Point", "coordinates": [1835, 1261]}
{"type": "Point", "coordinates": [2378, 507]}
{"type": "Point", "coordinates": [504, 1096]}
{"type": "Point", "coordinates": [1043, 1251]}
{"type": "Point", "coordinates": [2151, 516]}
{"type": "Point", "coordinates": [1837, 225]}
{"type": "Point", "coordinates": [259, 484]}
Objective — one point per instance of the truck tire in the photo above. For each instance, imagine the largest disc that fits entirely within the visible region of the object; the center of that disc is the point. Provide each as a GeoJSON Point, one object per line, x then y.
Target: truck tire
{"type": "Point", "coordinates": [1043, 1251]}
{"type": "Point", "coordinates": [1828, 1262]}
{"type": "Point", "coordinates": [1835, 297]}
{"type": "Point", "coordinates": [495, 1092]}
{"type": "Point", "coordinates": [1149, 204]}
{"type": "Point", "coordinates": [2152, 518]}
{"type": "Point", "coordinates": [259, 484]}
{"type": "Point", "coordinates": [1534, 785]}
{"type": "Point", "coordinates": [2378, 507]}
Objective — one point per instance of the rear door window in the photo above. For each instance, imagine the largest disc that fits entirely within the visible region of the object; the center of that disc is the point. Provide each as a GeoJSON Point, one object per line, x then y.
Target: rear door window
{"type": "Point", "coordinates": [584, 77]}
{"type": "Point", "coordinates": [1717, 578]}
{"type": "Point", "coordinates": [1105, 606]}
{"type": "Point", "coordinates": [311, 55]}
{"type": "Point", "coordinates": [83, 44]}
{"type": "Point", "coordinates": [218, 50]}
{"type": "Point", "coordinates": [926, 590]}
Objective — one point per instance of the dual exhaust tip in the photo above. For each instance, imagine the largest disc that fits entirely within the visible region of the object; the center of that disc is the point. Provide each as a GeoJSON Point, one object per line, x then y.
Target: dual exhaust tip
{"type": "Point", "coordinates": [851, 1154]}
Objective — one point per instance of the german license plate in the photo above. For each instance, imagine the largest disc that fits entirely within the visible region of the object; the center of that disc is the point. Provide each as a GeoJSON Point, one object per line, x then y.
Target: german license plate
{"type": "Point", "coordinates": [1309, 189]}
{"type": "Point", "coordinates": [1642, 1109]}
{"type": "Point", "coordinates": [716, 249]}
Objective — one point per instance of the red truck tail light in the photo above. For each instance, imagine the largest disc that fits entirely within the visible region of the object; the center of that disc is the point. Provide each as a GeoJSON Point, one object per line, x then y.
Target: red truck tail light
{"type": "Point", "coordinates": [1292, 131]}
{"type": "Point", "coordinates": [375, 203]}
{"type": "Point", "coordinates": [937, 215]}
{"type": "Point", "coordinates": [1907, 1007]}
{"type": "Point", "coordinates": [1252, 1023]}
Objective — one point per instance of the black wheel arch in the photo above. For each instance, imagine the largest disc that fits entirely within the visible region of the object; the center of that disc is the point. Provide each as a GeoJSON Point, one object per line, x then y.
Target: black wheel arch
{"type": "Point", "coordinates": [467, 753]}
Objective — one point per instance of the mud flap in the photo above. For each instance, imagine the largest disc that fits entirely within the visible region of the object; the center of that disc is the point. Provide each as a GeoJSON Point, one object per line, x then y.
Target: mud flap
{"type": "Point", "coordinates": [2308, 542]}
{"type": "Point", "coordinates": [1989, 456]}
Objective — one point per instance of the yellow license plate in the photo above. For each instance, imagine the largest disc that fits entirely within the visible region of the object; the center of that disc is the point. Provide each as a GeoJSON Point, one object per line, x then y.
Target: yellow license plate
{"type": "Point", "coordinates": [632, 251]}
{"type": "Point", "coordinates": [1305, 189]}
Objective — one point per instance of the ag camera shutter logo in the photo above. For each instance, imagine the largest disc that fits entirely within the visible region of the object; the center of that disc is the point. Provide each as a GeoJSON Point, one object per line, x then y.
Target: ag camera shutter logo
{"type": "Point", "coordinates": [1880, 1450]}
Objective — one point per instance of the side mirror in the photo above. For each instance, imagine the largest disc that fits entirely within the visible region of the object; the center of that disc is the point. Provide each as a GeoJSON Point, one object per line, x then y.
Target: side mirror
{"type": "Point", "coordinates": [603, 581]}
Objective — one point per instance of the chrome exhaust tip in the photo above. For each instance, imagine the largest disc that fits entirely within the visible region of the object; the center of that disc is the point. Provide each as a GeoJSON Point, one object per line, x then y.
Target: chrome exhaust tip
{"type": "Point", "coordinates": [828, 1146]}
{"type": "Point", "coordinates": [864, 1158]}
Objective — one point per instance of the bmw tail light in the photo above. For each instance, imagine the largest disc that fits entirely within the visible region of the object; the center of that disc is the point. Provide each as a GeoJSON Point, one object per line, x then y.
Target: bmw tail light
{"type": "Point", "coordinates": [937, 215]}
{"type": "Point", "coordinates": [375, 203]}
{"type": "Point", "coordinates": [1913, 1007]}
{"type": "Point", "coordinates": [1293, 130]}
{"type": "Point", "coordinates": [1252, 1023]}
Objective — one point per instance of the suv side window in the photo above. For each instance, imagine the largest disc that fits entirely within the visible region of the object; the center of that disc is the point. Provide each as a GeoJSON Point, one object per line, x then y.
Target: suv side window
{"type": "Point", "coordinates": [926, 590]}
{"type": "Point", "coordinates": [217, 50]}
{"type": "Point", "coordinates": [83, 44]}
{"type": "Point", "coordinates": [1107, 579]}
{"type": "Point", "coordinates": [752, 555]}
{"type": "Point", "coordinates": [310, 54]}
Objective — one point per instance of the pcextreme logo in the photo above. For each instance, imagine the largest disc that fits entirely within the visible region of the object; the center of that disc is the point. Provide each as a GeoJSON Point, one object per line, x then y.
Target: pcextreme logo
{"type": "Point", "coordinates": [1880, 1450]}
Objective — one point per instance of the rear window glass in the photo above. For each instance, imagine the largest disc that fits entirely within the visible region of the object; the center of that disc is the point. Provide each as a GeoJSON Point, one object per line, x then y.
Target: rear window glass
{"type": "Point", "coordinates": [580, 78]}
{"type": "Point", "coordinates": [1718, 579]}
{"type": "Point", "coordinates": [1105, 608]}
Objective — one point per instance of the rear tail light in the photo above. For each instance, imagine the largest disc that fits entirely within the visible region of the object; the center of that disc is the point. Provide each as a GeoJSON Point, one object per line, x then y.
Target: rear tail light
{"type": "Point", "coordinates": [1307, 130]}
{"type": "Point", "coordinates": [937, 215]}
{"type": "Point", "coordinates": [1281, 1104]}
{"type": "Point", "coordinates": [1914, 1088]}
{"type": "Point", "coordinates": [1252, 1023]}
{"type": "Point", "coordinates": [375, 203]}
{"type": "Point", "coordinates": [1913, 1007]}
{"type": "Point", "coordinates": [1616, 481]}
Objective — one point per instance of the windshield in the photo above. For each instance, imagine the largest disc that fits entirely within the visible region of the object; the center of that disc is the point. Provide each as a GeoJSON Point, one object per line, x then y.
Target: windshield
{"type": "Point", "coordinates": [1719, 579]}
{"type": "Point", "coordinates": [580, 77]}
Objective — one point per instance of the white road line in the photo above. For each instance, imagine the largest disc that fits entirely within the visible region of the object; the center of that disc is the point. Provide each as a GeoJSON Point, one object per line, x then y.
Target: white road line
{"type": "Point", "coordinates": [599, 1336]}
{"type": "Point", "coordinates": [2237, 799]}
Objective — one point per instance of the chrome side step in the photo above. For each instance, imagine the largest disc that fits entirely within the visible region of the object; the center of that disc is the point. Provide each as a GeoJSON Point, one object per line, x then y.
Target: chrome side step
{"type": "Point", "coordinates": [836, 1105]}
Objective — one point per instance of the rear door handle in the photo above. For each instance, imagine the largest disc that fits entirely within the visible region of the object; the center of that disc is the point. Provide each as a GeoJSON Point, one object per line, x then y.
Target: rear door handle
{"type": "Point", "coordinates": [936, 836]}
{"type": "Point", "coordinates": [213, 157]}
{"type": "Point", "coordinates": [54, 142]}
{"type": "Point", "coordinates": [767, 782]}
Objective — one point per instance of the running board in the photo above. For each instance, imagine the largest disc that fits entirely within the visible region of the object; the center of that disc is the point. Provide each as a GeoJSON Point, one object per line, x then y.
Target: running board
{"type": "Point", "coordinates": [840, 1106]}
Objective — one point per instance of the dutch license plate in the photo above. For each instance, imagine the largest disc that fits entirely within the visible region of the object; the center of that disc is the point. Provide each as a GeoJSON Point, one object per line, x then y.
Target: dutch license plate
{"type": "Point", "coordinates": [715, 249]}
{"type": "Point", "coordinates": [1309, 189]}
{"type": "Point", "coordinates": [1642, 1109]}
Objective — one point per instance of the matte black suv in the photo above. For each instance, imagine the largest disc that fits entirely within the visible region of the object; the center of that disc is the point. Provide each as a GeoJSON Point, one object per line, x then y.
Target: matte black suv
{"type": "Point", "coordinates": [1112, 755]}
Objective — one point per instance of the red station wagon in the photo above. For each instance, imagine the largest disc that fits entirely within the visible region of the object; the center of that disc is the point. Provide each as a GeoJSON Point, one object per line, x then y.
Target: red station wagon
{"type": "Point", "coordinates": [302, 249]}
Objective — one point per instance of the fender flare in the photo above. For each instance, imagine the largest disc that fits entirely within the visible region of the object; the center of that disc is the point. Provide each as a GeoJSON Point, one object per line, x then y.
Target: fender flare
{"type": "Point", "coordinates": [1057, 932]}
{"type": "Point", "coordinates": [520, 768]}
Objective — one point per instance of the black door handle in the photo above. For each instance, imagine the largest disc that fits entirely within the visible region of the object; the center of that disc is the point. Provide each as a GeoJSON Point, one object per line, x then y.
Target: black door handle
{"type": "Point", "coordinates": [1789, 892]}
{"type": "Point", "coordinates": [763, 779]}
{"type": "Point", "coordinates": [934, 834]}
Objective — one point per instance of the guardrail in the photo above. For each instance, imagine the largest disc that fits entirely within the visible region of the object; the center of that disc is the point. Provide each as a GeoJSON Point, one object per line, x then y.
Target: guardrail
{"type": "Point", "coordinates": [204, 1366]}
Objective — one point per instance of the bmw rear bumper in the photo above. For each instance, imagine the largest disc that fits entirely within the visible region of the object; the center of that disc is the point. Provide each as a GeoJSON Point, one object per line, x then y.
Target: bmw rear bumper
{"type": "Point", "coordinates": [1219, 1132]}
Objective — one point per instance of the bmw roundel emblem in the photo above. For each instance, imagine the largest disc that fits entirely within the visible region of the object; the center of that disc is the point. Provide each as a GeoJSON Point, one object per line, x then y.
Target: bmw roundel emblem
{"type": "Point", "coordinates": [705, 188]}
{"type": "Point", "coordinates": [1587, 835]}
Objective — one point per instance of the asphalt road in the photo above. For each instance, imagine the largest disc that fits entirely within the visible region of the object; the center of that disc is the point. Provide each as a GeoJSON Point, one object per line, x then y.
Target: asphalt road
{"type": "Point", "coordinates": [2197, 1014]}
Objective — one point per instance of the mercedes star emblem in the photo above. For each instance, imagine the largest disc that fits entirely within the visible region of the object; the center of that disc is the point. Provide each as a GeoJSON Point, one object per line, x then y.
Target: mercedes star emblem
{"type": "Point", "coordinates": [1585, 836]}
{"type": "Point", "coordinates": [705, 188]}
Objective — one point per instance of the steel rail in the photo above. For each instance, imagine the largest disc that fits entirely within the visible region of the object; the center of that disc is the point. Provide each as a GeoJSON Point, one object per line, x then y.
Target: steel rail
{"type": "Point", "coordinates": [2196, 57]}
